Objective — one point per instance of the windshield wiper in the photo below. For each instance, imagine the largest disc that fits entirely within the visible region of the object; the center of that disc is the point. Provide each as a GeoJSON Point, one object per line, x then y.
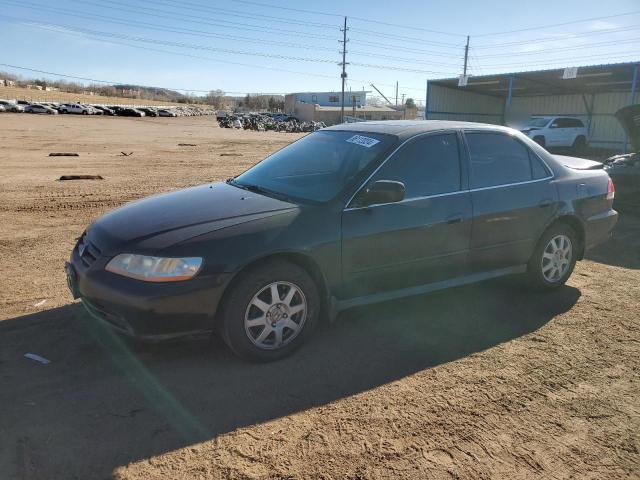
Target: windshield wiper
{"type": "Point", "coordinates": [258, 189]}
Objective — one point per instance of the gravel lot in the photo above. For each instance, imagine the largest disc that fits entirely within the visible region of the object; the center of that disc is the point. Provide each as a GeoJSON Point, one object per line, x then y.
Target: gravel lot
{"type": "Point", "coordinates": [484, 381]}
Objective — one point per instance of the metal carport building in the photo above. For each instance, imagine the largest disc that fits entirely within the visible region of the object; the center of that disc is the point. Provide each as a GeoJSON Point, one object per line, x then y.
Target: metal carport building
{"type": "Point", "coordinates": [591, 93]}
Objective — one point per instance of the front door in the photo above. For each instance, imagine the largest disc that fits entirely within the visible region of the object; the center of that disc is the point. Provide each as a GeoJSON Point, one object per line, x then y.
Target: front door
{"type": "Point", "coordinates": [421, 239]}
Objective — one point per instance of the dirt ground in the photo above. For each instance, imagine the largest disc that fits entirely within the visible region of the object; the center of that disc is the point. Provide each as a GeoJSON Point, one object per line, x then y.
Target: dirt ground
{"type": "Point", "coordinates": [484, 381]}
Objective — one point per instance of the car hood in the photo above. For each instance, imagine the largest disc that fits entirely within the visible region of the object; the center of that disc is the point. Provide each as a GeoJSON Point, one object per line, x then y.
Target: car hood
{"type": "Point", "coordinates": [160, 221]}
{"type": "Point", "coordinates": [629, 118]}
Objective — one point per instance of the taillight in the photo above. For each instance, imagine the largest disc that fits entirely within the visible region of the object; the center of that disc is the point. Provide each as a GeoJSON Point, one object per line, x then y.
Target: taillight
{"type": "Point", "coordinates": [611, 190]}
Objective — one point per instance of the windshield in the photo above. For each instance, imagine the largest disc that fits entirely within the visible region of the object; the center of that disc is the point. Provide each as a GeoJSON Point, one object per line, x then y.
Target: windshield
{"type": "Point", "coordinates": [538, 122]}
{"type": "Point", "coordinates": [317, 167]}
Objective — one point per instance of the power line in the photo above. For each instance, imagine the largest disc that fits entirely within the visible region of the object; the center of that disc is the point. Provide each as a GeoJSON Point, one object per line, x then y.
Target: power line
{"type": "Point", "coordinates": [568, 60]}
{"type": "Point", "coordinates": [562, 36]}
{"type": "Point", "coordinates": [186, 31]}
{"type": "Point", "coordinates": [110, 82]}
{"type": "Point", "coordinates": [572, 22]}
{"type": "Point", "coordinates": [299, 10]}
{"type": "Point", "coordinates": [291, 45]}
{"type": "Point", "coordinates": [504, 32]}
{"type": "Point", "coordinates": [405, 38]}
{"type": "Point", "coordinates": [172, 15]}
{"type": "Point", "coordinates": [236, 13]}
{"type": "Point", "coordinates": [222, 50]}
{"type": "Point", "coordinates": [200, 33]}
{"type": "Point", "coordinates": [236, 26]}
{"type": "Point", "coordinates": [187, 45]}
{"type": "Point", "coordinates": [217, 60]}
{"type": "Point", "coordinates": [362, 19]}
{"type": "Point", "coordinates": [561, 49]}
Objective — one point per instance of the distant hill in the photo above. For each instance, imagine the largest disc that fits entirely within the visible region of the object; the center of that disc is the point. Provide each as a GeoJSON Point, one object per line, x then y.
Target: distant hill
{"type": "Point", "coordinates": [150, 92]}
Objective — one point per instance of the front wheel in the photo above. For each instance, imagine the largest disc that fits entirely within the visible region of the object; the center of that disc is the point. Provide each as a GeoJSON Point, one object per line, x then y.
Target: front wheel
{"type": "Point", "coordinates": [270, 311]}
{"type": "Point", "coordinates": [554, 258]}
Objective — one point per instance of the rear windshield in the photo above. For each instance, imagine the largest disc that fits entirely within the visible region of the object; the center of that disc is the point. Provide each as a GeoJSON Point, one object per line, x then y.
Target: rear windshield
{"type": "Point", "coordinates": [319, 166]}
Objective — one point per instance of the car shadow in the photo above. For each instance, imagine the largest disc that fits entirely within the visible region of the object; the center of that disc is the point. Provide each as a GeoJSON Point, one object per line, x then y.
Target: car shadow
{"type": "Point", "coordinates": [621, 250]}
{"type": "Point", "coordinates": [102, 402]}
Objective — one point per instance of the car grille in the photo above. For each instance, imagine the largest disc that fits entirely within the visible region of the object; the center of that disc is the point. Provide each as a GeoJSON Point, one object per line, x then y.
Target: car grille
{"type": "Point", "coordinates": [87, 251]}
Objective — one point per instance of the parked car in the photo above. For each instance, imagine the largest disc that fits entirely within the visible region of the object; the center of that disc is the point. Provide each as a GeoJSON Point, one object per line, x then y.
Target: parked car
{"type": "Point", "coordinates": [76, 108]}
{"type": "Point", "coordinates": [166, 113]}
{"type": "Point", "coordinates": [130, 112]}
{"type": "Point", "coordinates": [115, 108]}
{"type": "Point", "coordinates": [104, 110]}
{"type": "Point", "coordinates": [557, 132]}
{"type": "Point", "coordinates": [37, 108]}
{"type": "Point", "coordinates": [625, 169]}
{"type": "Point", "coordinates": [346, 216]}
{"type": "Point", "coordinates": [11, 107]}
{"type": "Point", "coordinates": [148, 111]}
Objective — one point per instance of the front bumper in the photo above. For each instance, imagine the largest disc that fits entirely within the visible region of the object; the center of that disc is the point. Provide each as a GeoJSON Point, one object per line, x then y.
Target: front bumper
{"type": "Point", "coordinates": [146, 310]}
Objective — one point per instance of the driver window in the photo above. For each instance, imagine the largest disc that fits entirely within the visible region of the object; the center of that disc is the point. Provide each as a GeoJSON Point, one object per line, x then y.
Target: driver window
{"type": "Point", "coordinates": [427, 166]}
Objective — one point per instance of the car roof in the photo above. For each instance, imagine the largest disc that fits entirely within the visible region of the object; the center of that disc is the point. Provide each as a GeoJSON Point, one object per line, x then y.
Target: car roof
{"type": "Point", "coordinates": [404, 129]}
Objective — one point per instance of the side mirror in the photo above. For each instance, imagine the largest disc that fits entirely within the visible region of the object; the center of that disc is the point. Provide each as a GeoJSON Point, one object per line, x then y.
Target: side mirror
{"type": "Point", "coordinates": [382, 191]}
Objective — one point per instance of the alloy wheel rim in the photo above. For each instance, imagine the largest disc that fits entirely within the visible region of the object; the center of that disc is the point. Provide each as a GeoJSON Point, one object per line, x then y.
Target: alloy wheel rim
{"type": "Point", "coordinates": [556, 258]}
{"type": "Point", "coordinates": [275, 315]}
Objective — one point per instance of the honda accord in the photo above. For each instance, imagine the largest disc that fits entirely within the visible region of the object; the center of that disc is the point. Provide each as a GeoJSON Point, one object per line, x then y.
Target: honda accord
{"type": "Point", "coordinates": [345, 216]}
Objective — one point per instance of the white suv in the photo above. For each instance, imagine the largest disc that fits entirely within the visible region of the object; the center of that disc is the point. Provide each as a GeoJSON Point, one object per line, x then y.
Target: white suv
{"type": "Point", "coordinates": [557, 132]}
{"type": "Point", "coordinates": [76, 108]}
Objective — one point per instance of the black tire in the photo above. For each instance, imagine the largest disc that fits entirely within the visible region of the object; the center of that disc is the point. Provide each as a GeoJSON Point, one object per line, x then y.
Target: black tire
{"type": "Point", "coordinates": [84, 112]}
{"type": "Point", "coordinates": [540, 140]}
{"type": "Point", "coordinates": [579, 144]}
{"type": "Point", "coordinates": [236, 305]}
{"type": "Point", "coordinates": [535, 274]}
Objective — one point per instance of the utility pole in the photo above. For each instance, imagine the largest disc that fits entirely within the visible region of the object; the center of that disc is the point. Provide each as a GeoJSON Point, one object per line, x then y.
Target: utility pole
{"type": "Point", "coordinates": [344, 67]}
{"type": "Point", "coordinates": [404, 108]}
{"type": "Point", "coordinates": [466, 56]}
{"type": "Point", "coordinates": [396, 93]}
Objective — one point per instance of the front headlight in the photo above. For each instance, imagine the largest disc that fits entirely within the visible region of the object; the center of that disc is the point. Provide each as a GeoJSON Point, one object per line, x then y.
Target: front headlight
{"type": "Point", "coordinates": [154, 269]}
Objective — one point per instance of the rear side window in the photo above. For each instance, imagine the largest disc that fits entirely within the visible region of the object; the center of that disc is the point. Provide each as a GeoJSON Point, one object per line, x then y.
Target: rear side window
{"type": "Point", "coordinates": [427, 166]}
{"type": "Point", "coordinates": [498, 159]}
{"type": "Point", "coordinates": [538, 169]}
{"type": "Point", "coordinates": [569, 123]}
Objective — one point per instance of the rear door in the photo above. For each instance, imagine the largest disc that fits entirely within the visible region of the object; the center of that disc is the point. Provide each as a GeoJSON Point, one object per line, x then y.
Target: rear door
{"type": "Point", "coordinates": [421, 239]}
{"type": "Point", "coordinates": [513, 199]}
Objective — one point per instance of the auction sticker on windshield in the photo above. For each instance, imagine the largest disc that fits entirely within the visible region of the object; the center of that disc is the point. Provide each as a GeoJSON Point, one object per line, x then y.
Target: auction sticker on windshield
{"type": "Point", "coordinates": [363, 141]}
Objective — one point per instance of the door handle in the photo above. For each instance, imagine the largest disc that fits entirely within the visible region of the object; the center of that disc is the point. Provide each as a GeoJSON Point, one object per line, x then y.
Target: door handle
{"type": "Point", "coordinates": [545, 203]}
{"type": "Point", "coordinates": [452, 220]}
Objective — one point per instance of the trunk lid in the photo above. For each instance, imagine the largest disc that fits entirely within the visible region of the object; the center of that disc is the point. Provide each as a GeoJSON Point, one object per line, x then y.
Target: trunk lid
{"type": "Point", "coordinates": [576, 163]}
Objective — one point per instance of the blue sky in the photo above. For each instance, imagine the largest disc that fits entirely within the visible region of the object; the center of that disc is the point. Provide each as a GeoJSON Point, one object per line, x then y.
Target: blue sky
{"type": "Point", "coordinates": [266, 46]}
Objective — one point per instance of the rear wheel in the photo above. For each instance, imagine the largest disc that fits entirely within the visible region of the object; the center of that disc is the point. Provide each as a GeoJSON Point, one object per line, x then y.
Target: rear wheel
{"type": "Point", "coordinates": [270, 311]}
{"type": "Point", "coordinates": [554, 257]}
{"type": "Point", "coordinates": [540, 140]}
{"type": "Point", "coordinates": [579, 144]}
